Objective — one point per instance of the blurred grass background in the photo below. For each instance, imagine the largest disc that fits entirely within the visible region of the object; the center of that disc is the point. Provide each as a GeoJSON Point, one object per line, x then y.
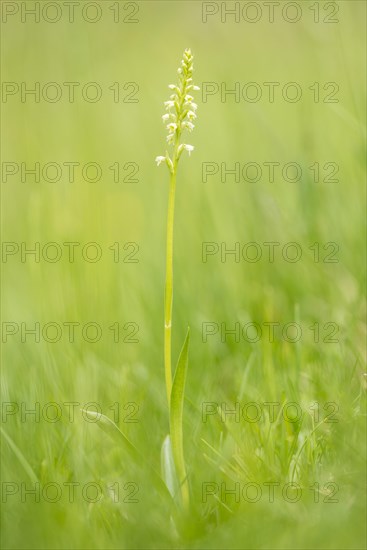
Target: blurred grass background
{"type": "Point", "coordinates": [106, 292]}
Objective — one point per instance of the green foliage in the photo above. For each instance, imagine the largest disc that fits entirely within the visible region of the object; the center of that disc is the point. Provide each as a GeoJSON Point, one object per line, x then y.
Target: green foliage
{"type": "Point", "coordinates": [221, 372]}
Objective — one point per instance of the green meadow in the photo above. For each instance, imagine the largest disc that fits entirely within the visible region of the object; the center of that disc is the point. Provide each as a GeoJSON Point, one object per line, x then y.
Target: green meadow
{"type": "Point", "coordinates": [269, 274]}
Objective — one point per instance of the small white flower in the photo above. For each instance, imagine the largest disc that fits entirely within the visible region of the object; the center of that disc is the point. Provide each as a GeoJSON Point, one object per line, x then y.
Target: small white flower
{"type": "Point", "coordinates": [196, 88]}
{"type": "Point", "coordinates": [176, 89]}
{"type": "Point", "coordinates": [188, 125]}
{"type": "Point", "coordinates": [189, 98]}
{"type": "Point", "coordinates": [166, 117]}
{"type": "Point", "coordinates": [170, 138]}
{"type": "Point", "coordinates": [169, 104]}
{"type": "Point", "coordinates": [172, 127]}
{"type": "Point", "coordinates": [159, 160]}
{"type": "Point", "coordinates": [191, 115]}
{"type": "Point", "coordinates": [188, 148]}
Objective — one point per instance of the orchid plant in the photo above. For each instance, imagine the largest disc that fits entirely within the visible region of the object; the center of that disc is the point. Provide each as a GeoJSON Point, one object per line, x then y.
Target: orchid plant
{"type": "Point", "coordinates": [180, 117]}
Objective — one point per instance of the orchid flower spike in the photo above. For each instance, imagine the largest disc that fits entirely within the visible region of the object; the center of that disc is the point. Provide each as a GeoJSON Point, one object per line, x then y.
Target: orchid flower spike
{"type": "Point", "coordinates": [180, 112]}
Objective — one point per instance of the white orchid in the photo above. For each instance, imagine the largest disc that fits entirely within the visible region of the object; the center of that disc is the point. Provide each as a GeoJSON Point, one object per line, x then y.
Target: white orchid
{"type": "Point", "coordinates": [159, 160]}
{"type": "Point", "coordinates": [181, 112]}
{"type": "Point", "coordinates": [188, 148]}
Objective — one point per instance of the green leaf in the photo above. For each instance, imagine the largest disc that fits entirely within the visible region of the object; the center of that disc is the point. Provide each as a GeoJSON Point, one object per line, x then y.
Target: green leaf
{"type": "Point", "coordinates": [168, 468]}
{"type": "Point", "coordinates": [176, 414]}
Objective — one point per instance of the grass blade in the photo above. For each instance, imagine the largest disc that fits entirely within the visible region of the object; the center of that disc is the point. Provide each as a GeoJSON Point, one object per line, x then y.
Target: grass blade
{"type": "Point", "coordinates": [18, 453]}
{"type": "Point", "coordinates": [109, 427]}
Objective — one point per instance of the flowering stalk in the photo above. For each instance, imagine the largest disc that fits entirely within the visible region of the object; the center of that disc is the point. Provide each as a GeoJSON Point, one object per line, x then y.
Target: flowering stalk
{"type": "Point", "coordinates": [180, 116]}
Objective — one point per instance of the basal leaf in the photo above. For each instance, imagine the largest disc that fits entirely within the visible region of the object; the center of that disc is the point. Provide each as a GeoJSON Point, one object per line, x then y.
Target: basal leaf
{"type": "Point", "coordinates": [168, 468]}
{"type": "Point", "coordinates": [176, 414]}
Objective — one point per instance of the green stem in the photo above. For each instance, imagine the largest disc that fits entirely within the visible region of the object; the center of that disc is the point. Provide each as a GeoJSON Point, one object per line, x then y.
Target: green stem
{"type": "Point", "coordinates": [169, 286]}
